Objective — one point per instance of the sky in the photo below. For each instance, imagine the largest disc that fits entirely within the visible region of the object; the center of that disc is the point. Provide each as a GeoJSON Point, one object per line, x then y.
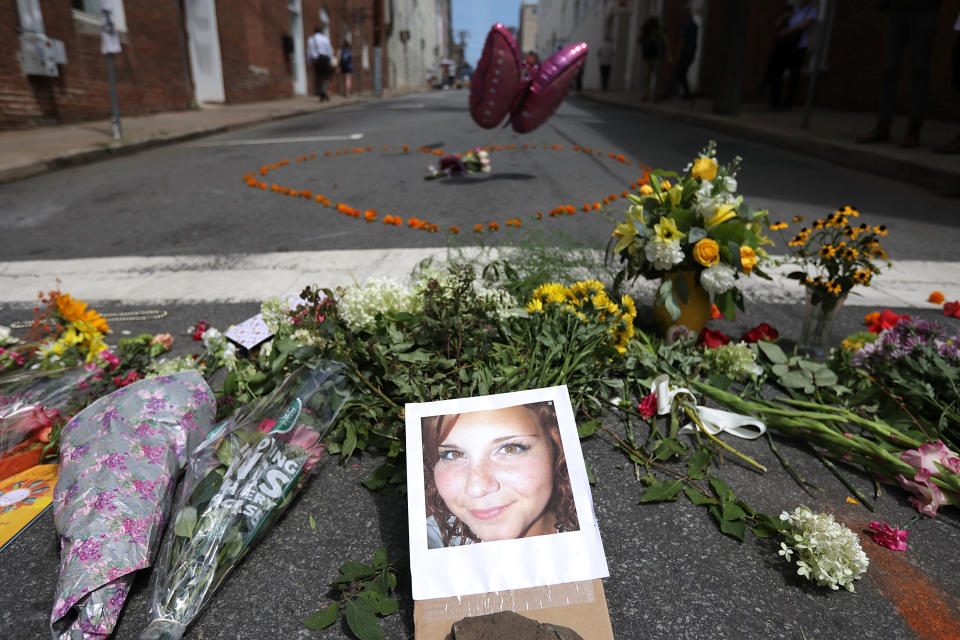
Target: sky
{"type": "Point", "coordinates": [477, 16]}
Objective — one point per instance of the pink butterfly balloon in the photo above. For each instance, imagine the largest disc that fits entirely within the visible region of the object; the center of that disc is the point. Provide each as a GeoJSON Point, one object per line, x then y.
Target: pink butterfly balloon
{"type": "Point", "coordinates": [503, 84]}
{"type": "Point", "coordinates": [498, 80]}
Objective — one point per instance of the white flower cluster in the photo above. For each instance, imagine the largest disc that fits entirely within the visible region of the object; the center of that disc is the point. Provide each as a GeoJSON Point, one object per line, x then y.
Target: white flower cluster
{"type": "Point", "coordinates": [504, 305]}
{"type": "Point", "coordinates": [718, 278]}
{"type": "Point", "coordinates": [220, 348]}
{"type": "Point", "coordinates": [664, 255]}
{"type": "Point", "coordinates": [827, 552]}
{"type": "Point", "coordinates": [736, 360]}
{"type": "Point", "coordinates": [711, 195]}
{"type": "Point", "coordinates": [359, 306]}
{"type": "Point", "coordinates": [275, 312]}
{"type": "Point", "coordinates": [169, 366]}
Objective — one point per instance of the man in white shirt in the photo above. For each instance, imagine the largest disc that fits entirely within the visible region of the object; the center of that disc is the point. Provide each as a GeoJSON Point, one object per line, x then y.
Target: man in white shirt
{"type": "Point", "coordinates": [319, 54]}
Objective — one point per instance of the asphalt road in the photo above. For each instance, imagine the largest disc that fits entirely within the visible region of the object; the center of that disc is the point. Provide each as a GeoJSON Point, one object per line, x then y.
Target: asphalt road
{"type": "Point", "coordinates": [672, 574]}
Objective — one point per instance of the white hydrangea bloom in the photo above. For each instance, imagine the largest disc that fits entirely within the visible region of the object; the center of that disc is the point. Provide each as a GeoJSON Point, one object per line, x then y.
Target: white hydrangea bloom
{"type": "Point", "coordinates": [664, 255]}
{"type": "Point", "coordinates": [717, 279]}
{"type": "Point", "coordinates": [730, 184]}
{"type": "Point", "coordinates": [359, 305]}
{"type": "Point", "coordinates": [828, 553]}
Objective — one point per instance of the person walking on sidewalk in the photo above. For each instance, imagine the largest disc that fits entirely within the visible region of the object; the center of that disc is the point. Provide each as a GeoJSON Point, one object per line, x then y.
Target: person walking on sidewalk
{"type": "Point", "coordinates": [346, 67]}
{"type": "Point", "coordinates": [319, 54]}
{"type": "Point", "coordinates": [685, 57]}
{"type": "Point", "coordinates": [651, 49]}
{"type": "Point", "coordinates": [913, 23]}
{"type": "Point", "coordinates": [953, 146]}
{"type": "Point", "coordinates": [605, 58]}
{"type": "Point", "coordinates": [792, 41]}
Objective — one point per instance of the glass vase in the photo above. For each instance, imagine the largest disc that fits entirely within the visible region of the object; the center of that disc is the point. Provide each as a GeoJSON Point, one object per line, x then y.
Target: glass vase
{"type": "Point", "coordinates": [818, 321]}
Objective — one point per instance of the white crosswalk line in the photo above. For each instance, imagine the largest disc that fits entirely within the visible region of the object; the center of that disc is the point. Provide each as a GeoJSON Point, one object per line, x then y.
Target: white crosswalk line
{"type": "Point", "coordinates": [253, 278]}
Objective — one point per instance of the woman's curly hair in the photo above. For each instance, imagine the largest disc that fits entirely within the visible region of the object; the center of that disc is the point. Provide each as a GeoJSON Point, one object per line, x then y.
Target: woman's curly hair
{"type": "Point", "coordinates": [437, 428]}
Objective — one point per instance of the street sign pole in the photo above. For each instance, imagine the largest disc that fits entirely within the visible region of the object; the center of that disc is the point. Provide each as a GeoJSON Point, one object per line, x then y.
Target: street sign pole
{"type": "Point", "coordinates": [110, 44]}
{"type": "Point", "coordinates": [114, 103]}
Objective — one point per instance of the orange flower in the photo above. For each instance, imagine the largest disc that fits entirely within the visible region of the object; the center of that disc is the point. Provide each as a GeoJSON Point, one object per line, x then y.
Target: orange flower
{"type": "Point", "coordinates": [586, 206]}
{"type": "Point", "coordinates": [715, 312]}
{"type": "Point", "coordinates": [454, 229]}
{"type": "Point", "coordinates": [596, 206]}
{"type": "Point", "coordinates": [477, 228]}
{"type": "Point", "coordinates": [621, 158]}
{"type": "Point", "coordinates": [406, 148]}
{"type": "Point", "coordinates": [413, 223]}
{"type": "Point", "coordinates": [388, 219]}
{"type": "Point", "coordinates": [397, 221]}
{"type": "Point", "coordinates": [539, 215]}
{"type": "Point", "coordinates": [570, 209]}
{"type": "Point", "coordinates": [369, 148]}
{"type": "Point", "coordinates": [75, 310]}
{"type": "Point", "coordinates": [494, 226]}
{"type": "Point", "coordinates": [438, 152]}
{"type": "Point", "coordinates": [936, 298]}
{"type": "Point", "coordinates": [370, 215]}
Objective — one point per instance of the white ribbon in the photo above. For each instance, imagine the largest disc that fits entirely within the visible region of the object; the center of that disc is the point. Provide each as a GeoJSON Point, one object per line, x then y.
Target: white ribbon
{"type": "Point", "coordinates": [714, 420]}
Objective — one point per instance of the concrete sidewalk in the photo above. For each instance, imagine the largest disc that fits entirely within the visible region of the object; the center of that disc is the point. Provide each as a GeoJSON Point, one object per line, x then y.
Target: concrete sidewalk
{"type": "Point", "coordinates": [830, 136]}
{"type": "Point", "coordinates": [28, 152]}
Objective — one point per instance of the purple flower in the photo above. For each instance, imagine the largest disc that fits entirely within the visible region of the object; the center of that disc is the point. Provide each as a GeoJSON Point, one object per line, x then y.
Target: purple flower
{"type": "Point", "coordinates": [88, 550]}
{"type": "Point", "coordinates": [116, 461]}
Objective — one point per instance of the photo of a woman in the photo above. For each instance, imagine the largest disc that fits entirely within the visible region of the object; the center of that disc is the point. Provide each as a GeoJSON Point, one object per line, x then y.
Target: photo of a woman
{"type": "Point", "coordinates": [495, 475]}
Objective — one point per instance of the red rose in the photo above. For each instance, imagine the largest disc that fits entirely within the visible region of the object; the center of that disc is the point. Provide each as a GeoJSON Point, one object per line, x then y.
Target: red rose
{"type": "Point", "coordinates": [648, 406]}
{"type": "Point", "coordinates": [712, 339]}
{"type": "Point", "coordinates": [762, 331]}
{"type": "Point", "coordinates": [952, 309]}
{"type": "Point", "coordinates": [886, 319]}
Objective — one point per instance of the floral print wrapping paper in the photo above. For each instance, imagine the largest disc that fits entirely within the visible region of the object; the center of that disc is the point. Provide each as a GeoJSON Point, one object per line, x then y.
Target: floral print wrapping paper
{"type": "Point", "coordinates": [120, 459]}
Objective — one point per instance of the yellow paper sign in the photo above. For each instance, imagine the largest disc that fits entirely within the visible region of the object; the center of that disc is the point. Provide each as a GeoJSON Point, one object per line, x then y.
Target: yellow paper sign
{"type": "Point", "coordinates": [23, 497]}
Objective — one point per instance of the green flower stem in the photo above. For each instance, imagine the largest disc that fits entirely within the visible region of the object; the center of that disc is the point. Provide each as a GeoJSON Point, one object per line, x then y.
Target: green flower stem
{"type": "Point", "coordinates": [369, 384]}
{"type": "Point", "coordinates": [836, 472]}
{"type": "Point", "coordinates": [651, 462]}
{"type": "Point", "coordinates": [878, 428]}
{"type": "Point", "coordinates": [800, 480]}
{"type": "Point", "coordinates": [691, 412]}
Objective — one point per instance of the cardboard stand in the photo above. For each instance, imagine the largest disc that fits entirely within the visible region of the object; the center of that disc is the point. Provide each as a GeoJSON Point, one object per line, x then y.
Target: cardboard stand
{"type": "Point", "coordinates": [581, 606]}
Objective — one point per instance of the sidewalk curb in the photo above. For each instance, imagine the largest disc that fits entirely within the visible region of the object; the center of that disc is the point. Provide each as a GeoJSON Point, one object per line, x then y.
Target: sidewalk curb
{"type": "Point", "coordinates": [943, 182]}
{"type": "Point", "coordinates": [108, 150]}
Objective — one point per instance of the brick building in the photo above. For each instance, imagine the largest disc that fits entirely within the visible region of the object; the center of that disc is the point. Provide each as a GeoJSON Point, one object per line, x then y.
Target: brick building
{"type": "Point", "coordinates": [174, 54]}
{"type": "Point", "coordinates": [850, 76]}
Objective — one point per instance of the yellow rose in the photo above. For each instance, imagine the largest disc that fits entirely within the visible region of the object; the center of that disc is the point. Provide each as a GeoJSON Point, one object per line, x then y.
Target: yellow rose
{"type": "Point", "coordinates": [704, 168]}
{"type": "Point", "coordinates": [646, 190]}
{"type": "Point", "coordinates": [748, 259]}
{"type": "Point", "coordinates": [665, 185]}
{"type": "Point", "coordinates": [706, 252]}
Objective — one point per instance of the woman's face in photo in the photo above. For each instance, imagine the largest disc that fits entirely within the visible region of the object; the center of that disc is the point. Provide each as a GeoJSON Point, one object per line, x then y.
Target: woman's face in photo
{"type": "Point", "coordinates": [495, 473]}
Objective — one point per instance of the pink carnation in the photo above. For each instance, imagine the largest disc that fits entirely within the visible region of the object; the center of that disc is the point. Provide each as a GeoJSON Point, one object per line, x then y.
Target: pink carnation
{"type": "Point", "coordinates": [927, 496]}
{"type": "Point", "coordinates": [890, 537]}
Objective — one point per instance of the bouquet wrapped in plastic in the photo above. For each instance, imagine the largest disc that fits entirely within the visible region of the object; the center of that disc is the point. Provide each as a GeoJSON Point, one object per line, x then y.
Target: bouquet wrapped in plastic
{"type": "Point", "coordinates": [119, 460]}
{"type": "Point", "coordinates": [237, 483]}
{"type": "Point", "coordinates": [31, 404]}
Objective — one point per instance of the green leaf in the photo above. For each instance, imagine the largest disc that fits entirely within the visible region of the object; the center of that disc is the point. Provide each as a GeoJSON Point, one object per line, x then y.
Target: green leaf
{"type": "Point", "coordinates": [380, 559]}
{"type": "Point", "coordinates": [825, 377]}
{"type": "Point", "coordinates": [186, 522]}
{"type": "Point", "coordinates": [795, 379]}
{"type": "Point", "coordinates": [734, 528]}
{"type": "Point", "coordinates": [313, 522]}
{"type": "Point", "coordinates": [727, 305]}
{"type": "Point", "coordinates": [592, 479]}
{"type": "Point", "coordinates": [730, 511]}
{"type": "Point", "coordinates": [698, 498]}
{"type": "Point", "coordinates": [696, 234]}
{"type": "Point", "coordinates": [773, 352]}
{"type": "Point", "coordinates": [225, 452]}
{"type": "Point", "coordinates": [356, 570]}
{"type": "Point", "coordinates": [668, 448]}
{"type": "Point", "coordinates": [363, 621]}
{"type": "Point", "coordinates": [588, 428]}
{"type": "Point", "coordinates": [722, 489]}
{"type": "Point", "coordinates": [323, 618]}
{"type": "Point", "coordinates": [699, 462]}
{"type": "Point", "coordinates": [662, 491]}
{"type": "Point", "coordinates": [380, 604]}
{"type": "Point", "coordinates": [415, 356]}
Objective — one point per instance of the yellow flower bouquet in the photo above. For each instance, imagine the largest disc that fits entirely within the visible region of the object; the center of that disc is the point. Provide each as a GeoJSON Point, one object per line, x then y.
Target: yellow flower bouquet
{"type": "Point", "coordinates": [696, 223]}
